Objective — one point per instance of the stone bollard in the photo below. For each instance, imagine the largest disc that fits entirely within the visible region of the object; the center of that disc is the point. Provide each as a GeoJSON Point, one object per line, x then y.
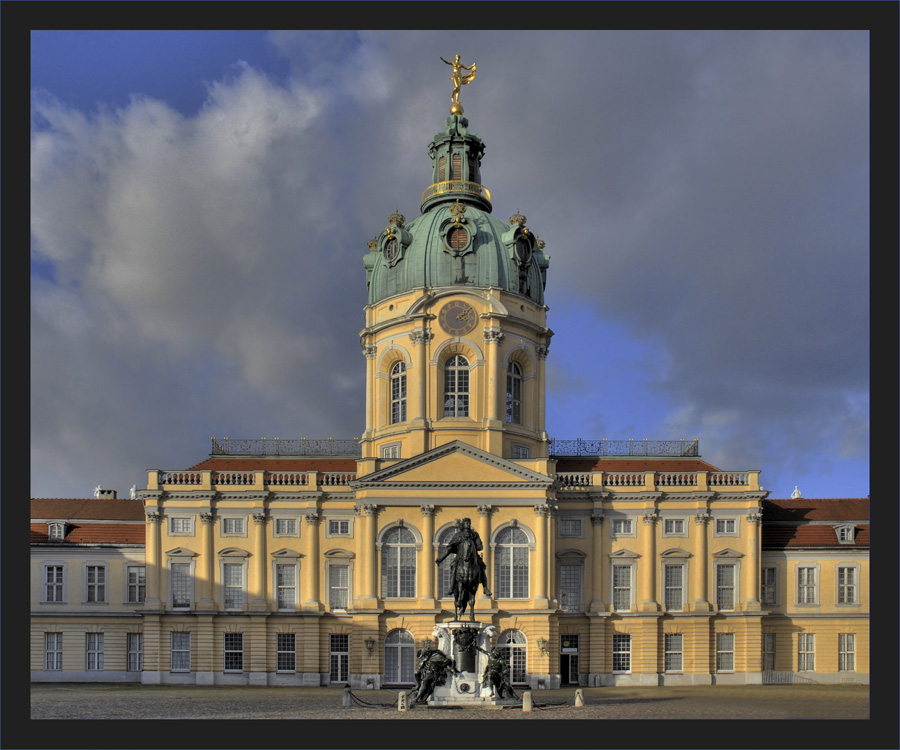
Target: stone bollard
{"type": "Point", "coordinates": [526, 701]}
{"type": "Point", "coordinates": [346, 700]}
{"type": "Point", "coordinates": [401, 701]}
{"type": "Point", "coordinates": [579, 698]}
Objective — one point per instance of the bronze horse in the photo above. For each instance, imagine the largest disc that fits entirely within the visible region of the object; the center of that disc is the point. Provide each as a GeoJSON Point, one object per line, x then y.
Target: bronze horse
{"type": "Point", "coordinates": [467, 574]}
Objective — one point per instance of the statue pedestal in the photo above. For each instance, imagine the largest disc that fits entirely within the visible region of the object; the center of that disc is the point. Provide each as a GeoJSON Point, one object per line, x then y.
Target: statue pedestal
{"type": "Point", "coordinates": [465, 688]}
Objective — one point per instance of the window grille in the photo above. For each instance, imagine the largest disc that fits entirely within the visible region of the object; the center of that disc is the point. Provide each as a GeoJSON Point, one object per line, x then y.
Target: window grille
{"type": "Point", "coordinates": [674, 582]}
{"type": "Point", "coordinates": [725, 652]}
{"type": "Point", "coordinates": [399, 658]}
{"type": "Point", "coordinates": [456, 387]}
{"type": "Point", "coordinates": [514, 649]}
{"type": "Point", "coordinates": [846, 652]}
{"type": "Point", "coordinates": [511, 564]}
{"type": "Point", "coordinates": [339, 657]}
{"type": "Point", "coordinates": [622, 526]}
{"type": "Point", "coordinates": [570, 527]}
{"type": "Point", "coordinates": [53, 582]}
{"type": "Point", "coordinates": [234, 586]}
{"type": "Point", "coordinates": [96, 583]}
{"type": "Point", "coordinates": [846, 585]}
{"type": "Point", "coordinates": [806, 585]}
{"type": "Point", "coordinates": [234, 652]}
{"type": "Point", "coordinates": [182, 585]}
{"type": "Point", "coordinates": [725, 526]}
{"type": "Point", "coordinates": [621, 588]}
{"type": "Point", "coordinates": [621, 652]}
{"type": "Point", "coordinates": [442, 168]}
{"type": "Point", "coordinates": [514, 394]}
{"type": "Point", "coordinates": [725, 586]}
{"type": "Point", "coordinates": [94, 651]}
{"type": "Point", "coordinates": [767, 591]}
{"type": "Point", "coordinates": [673, 652]}
{"type": "Point", "coordinates": [456, 167]}
{"type": "Point", "coordinates": [339, 586]}
{"type": "Point", "coordinates": [398, 563]}
{"type": "Point", "coordinates": [286, 526]}
{"type": "Point", "coordinates": [768, 651]}
{"type": "Point", "coordinates": [53, 650]}
{"type": "Point", "coordinates": [806, 652]}
{"type": "Point", "coordinates": [135, 647]}
{"type": "Point", "coordinates": [286, 585]}
{"type": "Point", "coordinates": [137, 584]}
{"type": "Point", "coordinates": [285, 652]}
{"type": "Point", "coordinates": [674, 526]}
{"type": "Point", "coordinates": [570, 587]}
{"type": "Point", "coordinates": [180, 525]}
{"type": "Point", "coordinates": [181, 652]}
{"type": "Point", "coordinates": [398, 393]}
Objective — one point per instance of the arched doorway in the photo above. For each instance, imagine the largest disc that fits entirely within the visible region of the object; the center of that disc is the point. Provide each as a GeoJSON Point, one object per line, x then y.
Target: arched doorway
{"type": "Point", "coordinates": [399, 658]}
{"type": "Point", "coordinates": [513, 645]}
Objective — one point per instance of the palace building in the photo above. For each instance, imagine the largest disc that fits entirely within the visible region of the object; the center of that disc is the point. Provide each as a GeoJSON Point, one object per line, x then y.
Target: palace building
{"type": "Point", "coordinates": [305, 562]}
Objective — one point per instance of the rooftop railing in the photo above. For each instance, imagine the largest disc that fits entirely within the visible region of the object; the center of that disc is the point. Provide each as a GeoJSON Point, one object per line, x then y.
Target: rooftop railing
{"type": "Point", "coordinates": [456, 186]}
{"type": "Point", "coordinates": [278, 447]}
{"type": "Point", "coordinates": [605, 447]}
{"type": "Point", "coordinates": [581, 481]}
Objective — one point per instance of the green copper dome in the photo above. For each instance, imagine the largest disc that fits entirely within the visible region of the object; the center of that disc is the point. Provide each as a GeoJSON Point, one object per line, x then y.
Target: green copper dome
{"type": "Point", "coordinates": [456, 241]}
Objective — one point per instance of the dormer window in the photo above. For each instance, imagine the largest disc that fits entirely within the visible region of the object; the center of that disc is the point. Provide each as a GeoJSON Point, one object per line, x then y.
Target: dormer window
{"type": "Point", "coordinates": [845, 534]}
{"type": "Point", "coordinates": [56, 530]}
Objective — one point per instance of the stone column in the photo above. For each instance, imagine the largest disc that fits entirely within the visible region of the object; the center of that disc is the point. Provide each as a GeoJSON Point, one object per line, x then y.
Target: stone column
{"type": "Point", "coordinates": [754, 521]}
{"type": "Point", "coordinates": [541, 351]}
{"type": "Point", "coordinates": [648, 569]}
{"type": "Point", "coordinates": [311, 574]}
{"type": "Point", "coordinates": [484, 531]}
{"type": "Point", "coordinates": [700, 582]}
{"type": "Point", "coordinates": [541, 600]}
{"type": "Point", "coordinates": [259, 584]}
{"type": "Point", "coordinates": [420, 339]}
{"type": "Point", "coordinates": [205, 594]}
{"type": "Point", "coordinates": [368, 562]}
{"type": "Point", "coordinates": [597, 563]}
{"type": "Point", "coordinates": [153, 561]}
{"type": "Point", "coordinates": [495, 378]}
{"type": "Point", "coordinates": [552, 592]}
{"type": "Point", "coordinates": [428, 567]}
{"type": "Point", "coordinates": [370, 350]}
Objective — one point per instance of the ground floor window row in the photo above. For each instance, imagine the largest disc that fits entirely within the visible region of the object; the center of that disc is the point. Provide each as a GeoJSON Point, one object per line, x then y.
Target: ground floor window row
{"type": "Point", "coordinates": [399, 652]}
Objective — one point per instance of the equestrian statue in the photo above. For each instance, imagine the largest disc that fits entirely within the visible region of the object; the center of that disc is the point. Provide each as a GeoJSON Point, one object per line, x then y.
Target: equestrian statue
{"type": "Point", "coordinates": [467, 570]}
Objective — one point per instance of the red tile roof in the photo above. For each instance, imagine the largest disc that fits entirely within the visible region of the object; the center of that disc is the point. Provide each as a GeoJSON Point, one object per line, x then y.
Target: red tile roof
{"type": "Point", "coordinates": [804, 509]}
{"type": "Point", "coordinates": [809, 535]}
{"type": "Point", "coordinates": [811, 522]}
{"type": "Point", "coordinates": [91, 533]}
{"type": "Point", "coordinates": [93, 508]}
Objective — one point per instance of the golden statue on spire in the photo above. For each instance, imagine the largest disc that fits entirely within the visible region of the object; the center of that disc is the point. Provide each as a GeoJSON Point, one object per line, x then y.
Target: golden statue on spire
{"type": "Point", "coordinates": [459, 80]}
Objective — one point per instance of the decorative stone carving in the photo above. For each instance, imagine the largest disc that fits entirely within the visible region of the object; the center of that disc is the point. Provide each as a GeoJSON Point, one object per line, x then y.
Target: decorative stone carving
{"type": "Point", "coordinates": [260, 518]}
{"type": "Point", "coordinates": [421, 336]}
{"type": "Point", "coordinates": [370, 350]}
{"type": "Point", "coordinates": [651, 517]}
{"type": "Point", "coordinates": [428, 510]}
{"type": "Point", "coordinates": [597, 519]}
{"type": "Point", "coordinates": [755, 517]}
{"type": "Point", "coordinates": [542, 510]}
{"type": "Point", "coordinates": [541, 351]}
{"type": "Point", "coordinates": [702, 517]}
{"type": "Point", "coordinates": [154, 517]}
{"type": "Point", "coordinates": [207, 517]}
{"type": "Point", "coordinates": [484, 510]}
{"type": "Point", "coordinates": [312, 518]}
{"type": "Point", "coordinates": [493, 335]}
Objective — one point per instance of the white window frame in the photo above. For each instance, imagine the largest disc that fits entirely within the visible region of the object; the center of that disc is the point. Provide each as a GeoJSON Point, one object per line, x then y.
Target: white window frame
{"type": "Point", "coordinates": [236, 593]}
{"type": "Point", "coordinates": [58, 586]}
{"type": "Point", "coordinates": [391, 451]}
{"type": "Point", "coordinates": [673, 645]}
{"type": "Point", "coordinates": [53, 651]}
{"type": "Point", "coordinates": [56, 530]}
{"type": "Point", "coordinates": [397, 389]}
{"type": "Point", "coordinates": [398, 586]}
{"type": "Point", "coordinates": [574, 564]}
{"type": "Point", "coordinates": [666, 588]}
{"type": "Point", "coordinates": [768, 591]}
{"type": "Point", "coordinates": [229, 640]}
{"type": "Point", "coordinates": [578, 533]}
{"type": "Point", "coordinates": [280, 591]}
{"type": "Point", "coordinates": [807, 592]}
{"type": "Point", "coordinates": [170, 575]}
{"type": "Point", "coordinates": [181, 636]}
{"type": "Point", "coordinates": [514, 390]}
{"type": "Point", "coordinates": [238, 522]}
{"type": "Point", "coordinates": [629, 565]}
{"type": "Point", "coordinates": [139, 588]}
{"type": "Point", "coordinates": [330, 534]}
{"type": "Point", "coordinates": [506, 585]}
{"type": "Point", "coordinates": [134, 652]}
{"type": "Point", "coordinates": [93, 652]}
{"type": "Point", "coordinates": [627, 530]}
{"type": "Point", "coordinates": [338, 659]}
{"type": "Point", "coordinates": [719, 588]}
{"type": "Point", "coordinates": [520, 451]}
{"type": "Point", "coordinates": [458, 392]}
{"type": "Point", "coordinates": [621, 648]}
{"type": "Point", "coordinates": [187, 521]}
{"type": "Point", "coordinates": [845, 533]}
{"type": "Point", "coordinates": [95, 592]}
{"type": "Point", "coordinates": [725, 650]}
{"type": "Point", "coordinates": [334, 603]}
{"type": "Point", "coordinates": [676, 530]}
{"type": "Point", "coordinates": [730, 526]}
{"type": "Point", "coordinates": [281, 521]}
{"type": "Point", "coordinates": [281, 649]}
{"type": "Point", "coordinates": [769, 641]}
{"type": "Point", "coordinates": [846, 652]}
{"type": "Point", "coordinates": [806, 652]}
{"type": "Point", "coordinates": [852, 587]}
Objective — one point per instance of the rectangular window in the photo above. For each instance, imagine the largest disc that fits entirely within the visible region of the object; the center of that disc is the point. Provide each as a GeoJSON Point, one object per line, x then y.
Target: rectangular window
{"type": "Point", "coordinates": [286, 526]}
{"type": "Point", "coordinates": [768, 651]}
{"type": "Point", "coordinates": [520, 451]}
{"type": "Point", "coordinates": [621, 652]}
{"type": "Point", "coordinates": [621, 588]}
{"type": "Point", "coordinates": [845, 534]}
{"type": "Point", "coordinates": [725, 526]}
{"type": "Point", "coordinates": [570, 527]}
{"type": "Point", "coordinates": [135, 647]}
{"type": "Point", "coordinates": [622, 526]}
{"type": "Point", "coordinates": [806, 586]}
{"type": "Point", "coordinates": [286, 586]}
{"type": "Point", "coordinates": [725, 652]}
{"type": "Point", "coordinates": [846, 652]}
{"type": "Point", "coordinates": [391, 451]}
{"type": "Point", "coordinates": [674, 527]}
{"type": "Point", "coordinates": [181, 525]}
{"type": "Point", "coordinates": [56, 531]}
{"type": "Point", "coordinates": [338, 528]}
{"type": "Point", "coordinates": [234, 652]}
{"type": "Point", "coordinates": [806, 652]}
{"type": "Point", "coordinates": [135, 581]}
{"type": "Point", "coordinates": [94, 651]}
{"type": "Point", "coordinates": [181, 652]}
{"type": "Point", "coordinates": [674, 652]}
{"type": "Point", "coordinates": [674, 581]}
{"type": "Point", "coordinates": [339, 586]}
{"type": "Point", "coordinates": [182, 585]}
{"type": "Point", "coordinates": [53, 650]}
{"type": "Point", "coordinates": [232, 525]}
{"type": "Point", "coordinates": [53, 584]}
{"type": "Point", "coordinates": [285, 652]}
{"type": "Point", "coordinates": [725, 587]}
{"type": "Point", "coordinates": [233, 576]}
{"type": "Point", "coordinates": [511, 572]}
{"type": "Point", "coordinates": [846, 593]}
{"type": "Point", "coordinates": [570, 587]}
{"type": "Point", "coordinates": [96, 583]}
{"type": "Point", "coordinates": [339, 657]}
{"type": "Point", "coordinates": [767, 593]}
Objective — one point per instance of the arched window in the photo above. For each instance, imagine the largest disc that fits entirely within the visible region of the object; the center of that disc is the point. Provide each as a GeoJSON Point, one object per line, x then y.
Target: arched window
{"type": "Point", "coordinates": [456, 387]}
{"type": "Point", "coordinates": [443, 582]}
{"type": "Point", "coordinates": [514, 394]}
{"type": "Point", "coordinates": [512, 645]}
{"type": "Point", "coordinates": [398, 563]}
{"type": "Point", "coordinates": [399, 658]}
{"type": "Point", "coordinates": [398, 393]}
{"type": "Point", "coordinates": [511, 564]}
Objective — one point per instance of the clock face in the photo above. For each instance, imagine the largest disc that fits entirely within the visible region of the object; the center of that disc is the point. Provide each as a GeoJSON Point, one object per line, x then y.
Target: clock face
{"type": "Point", "coordinates": [390, 248]}
{"type": "Point", "coordinates": [458, 317]}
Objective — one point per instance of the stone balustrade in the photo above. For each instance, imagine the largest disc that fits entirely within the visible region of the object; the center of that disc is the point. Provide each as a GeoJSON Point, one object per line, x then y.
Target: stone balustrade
{"type": "Point", "coordinates": [251, 480]}
{"type": "Point", "coordinates": [657, 480]}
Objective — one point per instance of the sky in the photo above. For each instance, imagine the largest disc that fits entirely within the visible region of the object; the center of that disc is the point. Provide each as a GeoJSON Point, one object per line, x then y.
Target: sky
{"type": "Point", "coordinates": [201, 202]}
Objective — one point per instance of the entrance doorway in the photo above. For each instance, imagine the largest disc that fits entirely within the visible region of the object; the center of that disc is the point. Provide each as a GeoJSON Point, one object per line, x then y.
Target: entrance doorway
{"type": "Point", "coordinates": [568, 659]}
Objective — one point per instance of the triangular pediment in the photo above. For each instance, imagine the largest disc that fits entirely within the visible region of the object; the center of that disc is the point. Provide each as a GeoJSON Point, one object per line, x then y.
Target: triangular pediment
{"type": "Point", "coordinates": [727, 552]}
{"type": "Point", "coordinates": [624, 553]}
{"type": "Point", "coordinates": [457, 464]}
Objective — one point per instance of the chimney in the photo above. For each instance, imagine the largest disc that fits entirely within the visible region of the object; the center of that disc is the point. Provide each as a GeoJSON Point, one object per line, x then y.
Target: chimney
{"type": "Point", "coordinates": [107, 494]}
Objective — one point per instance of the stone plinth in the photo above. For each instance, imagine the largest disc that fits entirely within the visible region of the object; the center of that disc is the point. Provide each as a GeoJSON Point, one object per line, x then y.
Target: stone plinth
{"type": "Point", "coordinates": [465, 688]}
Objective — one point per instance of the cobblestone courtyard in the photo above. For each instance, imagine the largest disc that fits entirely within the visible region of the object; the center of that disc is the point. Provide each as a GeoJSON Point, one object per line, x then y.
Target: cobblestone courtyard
{"type": "Point", "coordinates": [757, 702]}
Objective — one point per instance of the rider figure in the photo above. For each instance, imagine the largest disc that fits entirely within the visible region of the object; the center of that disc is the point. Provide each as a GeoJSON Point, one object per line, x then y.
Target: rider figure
{"type": "Point", "coordinates": [465, 531]}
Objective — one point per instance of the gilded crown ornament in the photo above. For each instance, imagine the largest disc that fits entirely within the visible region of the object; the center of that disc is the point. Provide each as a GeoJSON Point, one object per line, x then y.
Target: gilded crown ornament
{"type": "Point", "coordinates": [372, 244]}
{"type": "Point", "coordinates": [397, 219]}
{"type": "Point", "coordinates": [458, 210]}
{"type": "Point", "coordinates": [518, 219]}
{"type": "Point", "coordinates": [459, 79]}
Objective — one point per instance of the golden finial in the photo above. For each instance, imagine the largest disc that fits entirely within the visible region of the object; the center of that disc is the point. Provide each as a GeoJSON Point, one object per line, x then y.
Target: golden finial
{"type": "Point", "coordinates": [458, 80]}
{"type": "Point", "coordinates": [518, 219]}
{"type": "Point", "coordinates": [540, 243]}
{"type": "Point", "coordinates": [372, 244]}
{"type": "Point", "coordinates": [397, 219]}
{"type": "Point", "coordinates": [457, 209]}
